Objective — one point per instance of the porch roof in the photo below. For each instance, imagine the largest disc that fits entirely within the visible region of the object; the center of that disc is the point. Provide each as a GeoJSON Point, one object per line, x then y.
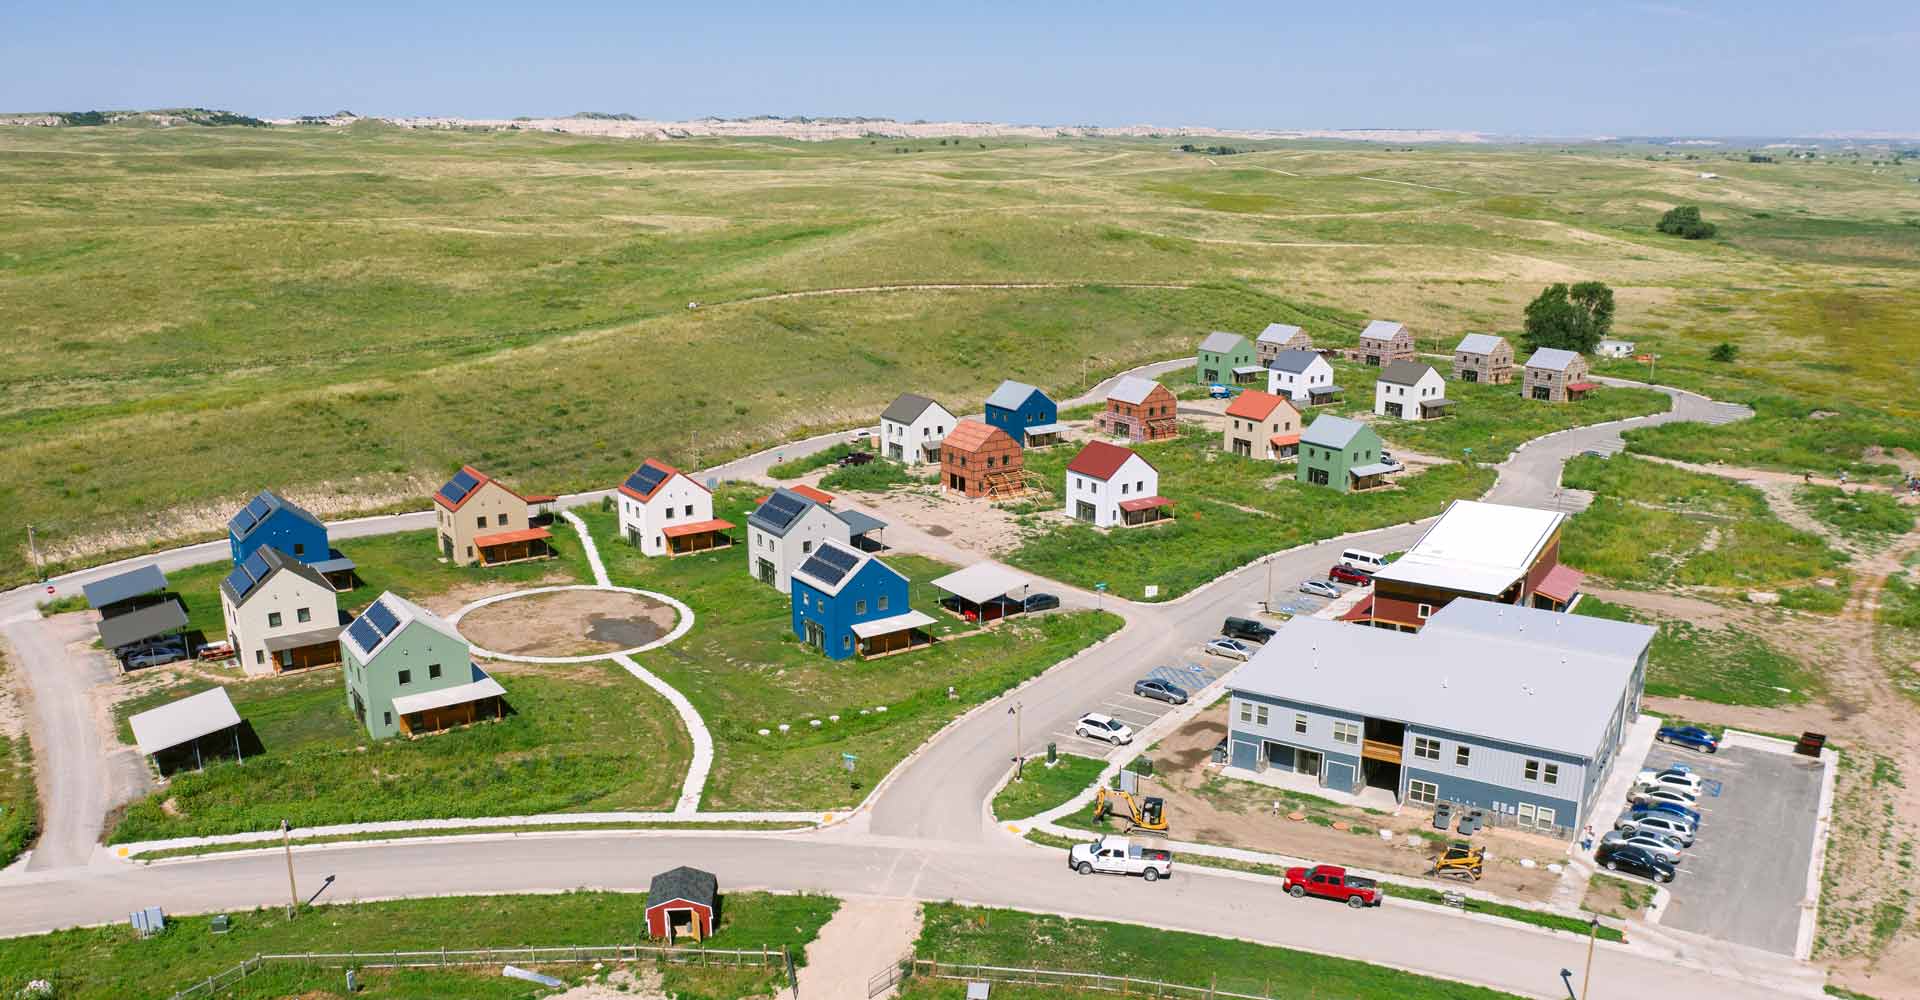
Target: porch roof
{"type": "Point", "coordinates": [1376, 469]}
{"type": "Point", "coordinates": [1582, 386]}
{"type": "Point", "coordinates": [1145, 503]}
{"type": "Point", "coordinates": [510, 537]}
{"type": "Point", "coordinates": [888, 626]}
{"type": "Point", "coordinates": [1561, 583]}
{"type": "Point", "coordinates": [311, 637]}
{"type": "Point", "coordinates": [696, 528]}
{"type": "Point", "coordinates": [480, 687]}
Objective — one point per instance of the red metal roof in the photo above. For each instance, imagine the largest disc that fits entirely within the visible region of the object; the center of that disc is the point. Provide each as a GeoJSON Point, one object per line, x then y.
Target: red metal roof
{"type": "Point", "coordinates": [973, 435]}
{"type": "Point", "coordinates": [540, 498]}
{"type": "Point", "coordinates": [1282, 440]}
{"type": "Point", "coordinates": [1583, 386]}
{"type": "Point", "coordinates": [481, 480]}
{"type": "Point", "coordinates": [510, 537]}
{"type": "Point", "coordinates": [1361, 611]}
{"type": "Point", "coordinates": [821, 497]}
{"type": "Point", "coordinates": [1145, 503]}
{"type": "Point", "coordinates": [1253, 405]}
{"type": "Point", "coordinates": [697, 528]}
{"type": "Point", "coordinates": [1100, 460]}
{"type": "Point", "coordinates": [1561, 583]}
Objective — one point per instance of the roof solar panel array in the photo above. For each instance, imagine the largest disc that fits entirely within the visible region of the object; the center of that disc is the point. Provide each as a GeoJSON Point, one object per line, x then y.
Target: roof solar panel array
{"type": "Point", "coordinates": [374, 626]}
{"type": "Point", "coordinates": [459, 486]}
{"type": "Point", "coordinates": [782, 508]}
{"type": "Point", "coordinates": [364, 634]}
{"type": "Point", "coordinates": [646, 479]}
{"type": "Point", "coordinates": [250, 515]}
{"type": "Point", "coordinates": [241, 582]}
{"type": "Point", "coordinates": [382, 617]}
{"type": "Point", "coordinates": [822, 570]}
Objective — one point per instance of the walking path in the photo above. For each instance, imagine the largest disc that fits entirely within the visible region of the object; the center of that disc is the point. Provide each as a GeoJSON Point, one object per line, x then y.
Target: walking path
{"type": "Point", "coordinates": [864, 934]}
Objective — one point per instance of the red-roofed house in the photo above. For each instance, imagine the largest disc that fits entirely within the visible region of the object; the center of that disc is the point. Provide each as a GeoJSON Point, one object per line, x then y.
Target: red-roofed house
{"type": "Point", "coordinates": [663, 512]}
{"type": "Point", "coordinates": [482, 521]}
{"type": "Point", "coordinates": [1262, 425]}
{"type": "Point", "coordinates": [1108, 485]}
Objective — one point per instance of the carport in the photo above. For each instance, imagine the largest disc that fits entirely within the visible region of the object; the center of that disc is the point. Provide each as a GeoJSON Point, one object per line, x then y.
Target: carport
{"type": "Point", "coordinates": [124, 592]}
{"type": "Point", "coordinates": [185, 723]}
{"type": "Point", "coordinates": [898, 634]}
{"type": "Point", "coordinates": [152, 621]}
{"type": "Point", "coordinates": [980, 593]}
{"type": "Point", "coordinates": [863, 529]}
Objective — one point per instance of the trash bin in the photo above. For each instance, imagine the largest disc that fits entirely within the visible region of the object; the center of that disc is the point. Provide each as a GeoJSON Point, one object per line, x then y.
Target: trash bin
{"type": "Point", "coordinates": [1143, 766]}
{"type": "Point", "coordinates": [1470, 823]}
{"type": "Point", "coordinates": [1053, 753]}
{"type": "Point", "coordinates": [1442, 817]}
{"type": "Point", "coordinates": [1810, 744]}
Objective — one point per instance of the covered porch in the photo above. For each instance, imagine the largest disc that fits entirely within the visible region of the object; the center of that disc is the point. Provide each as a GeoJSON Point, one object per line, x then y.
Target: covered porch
{"type": "Point", "coordinates": [1281, 446]}
{"type": "Point", "coordinates": [1135, 428]}
{"type": "Point", "coordinates": [983, 592]}
{"type": "Point", "coordinates": [1579, 390]}
{"type": "Point", "coordinates": [701, 536]}
{"type": "Point", "coordinates": [514, 546]}
{"type": "Point", "coordinates": [481, 700]}
{"type": "Point", "coordinates": [1322, 395]}
{"type": "Point", "coordinates": [898, 634]}
{"type": "Point", "coordinates": [318, 647]}
{"type": "Point", "coordinates": [1145, 510]}
{"type": "Point", "coordinates": [1249, 374]}
{"type": "Point", "coordinates": [1370, 477]}
{"type": "Point", "coordinates": [1431, 408]}
{"type": "Point", "coordinates": [338, 571]}
{"type": "Point", "coordinates": [1558, 589]}
{"type": "Point", "coordinates": [1043, 435]}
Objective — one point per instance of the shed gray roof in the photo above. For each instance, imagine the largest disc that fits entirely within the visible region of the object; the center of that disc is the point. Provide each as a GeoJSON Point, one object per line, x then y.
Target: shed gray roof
{"type": "Point", "coordinates": [277, 561]}
{"type": "Point", "coordinates": [859, 523]}
{"type": "Point", "coordinates": [1278, 333]}
{"type": "Point", "coordinates": [121, 586]}
{"type": "Point", "coordinates": [1381, 329]}
{"type": "Point", "coordinates": [1524, 676]}
{"type": "Point", "coordinates": [1479, 343]}
{"type": "Point", "coordinates": [1221, 342]}
{"type": "Point", "coordinates": [152, 620]}
{"type": "Point", "coordinates": [1552, 358]}
{"type": "Point", "coordinates": [1132, 389]}
{"type": "Point", "coordinates": [1011, 394]}
{"type": "Point", "coordinates": [1405, 372]}
{"type": "Point", "coordinates": [907, 408]}
{"type": "Point", "coordinates": [1293, 360]}
{"type": "Point", "coordinates": [1329, 431]}
{"type": "Point", "coordinates": [690, 884]}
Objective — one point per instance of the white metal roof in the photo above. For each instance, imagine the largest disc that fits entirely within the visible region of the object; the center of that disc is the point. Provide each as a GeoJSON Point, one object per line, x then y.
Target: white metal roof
{"type": "Point", "coordinates": [1526, 676]}
{"type": "Point", "coordinates": [459, 694]}
{"type": "Point", "coordinates": [981, 582]}
{"type": "Point", "coordinates": [187, 719]}
{"type": "Point", "coordinates": [1552, 358]}
{"type": "Point", "coordinates": [1221, 342]}
{"type": "Point", "coordinates": [1132, 389]}
{"type": "Point", "coordinates": [1476, 547]}
{"type": "Point", "coordinates": [1043, 429]}
{"type": "Point", "coordinates": [1278, 333]}
{"type": "Point", "coordinates": [1381, 329]}
{"type": "Point", "coordinates": [888, 626]}
{"type": "Point", "coordinates": [1478, 343]}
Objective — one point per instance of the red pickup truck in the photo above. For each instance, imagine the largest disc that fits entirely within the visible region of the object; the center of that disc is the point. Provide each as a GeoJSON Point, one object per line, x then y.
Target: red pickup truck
{"type": "Point", "coordinates": [1334, 883]}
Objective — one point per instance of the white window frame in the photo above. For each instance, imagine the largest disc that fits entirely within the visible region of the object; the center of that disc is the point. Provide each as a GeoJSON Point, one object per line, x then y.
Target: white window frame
{"type": "Point", "coordinates": [1346, 732]}
{"type": "Point", "coordinates": [1426, 748]}
{"type": "Point", "coordinates": [1462, 755]}
{"type": "Point", "coordinates": [1300, 723]}
{"type": "Point", "coordinates": [1260, 715]}
{"type": "Point", "coordinates": [1424, 793]}
{"type": "Point", "coordinates": [1425, 611]}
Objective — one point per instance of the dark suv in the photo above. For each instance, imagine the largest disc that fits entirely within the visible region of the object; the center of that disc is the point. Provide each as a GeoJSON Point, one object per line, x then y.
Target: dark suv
{"type": "Point", "coordinates": [1245, 628]}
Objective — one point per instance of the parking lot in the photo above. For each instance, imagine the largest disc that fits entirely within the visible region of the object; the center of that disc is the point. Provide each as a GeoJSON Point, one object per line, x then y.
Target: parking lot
{"type": "Point", "coordinates": [1135, 710]}
{"type": "Point", "coordinates": [1745, 877]}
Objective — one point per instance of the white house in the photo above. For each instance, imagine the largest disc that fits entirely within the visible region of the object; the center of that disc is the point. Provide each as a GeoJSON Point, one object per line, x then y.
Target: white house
{"type": "Point", "coordinates": [664, 512]}
{"type": "Point", "coordinates": [280, 613]}
{"type": "Point", "coordinates": [1301, 376]}
{"type": "Point", "coordinates": [784, 530]}
{"type": "Point", "coordinates": [911, 429]}
{"type": "Point", "coordinates": [1615, 349]}
{"type": "Point", "coordinates": [1409, 390]}
{"type": "Point", "coordinates": [1108, 485]}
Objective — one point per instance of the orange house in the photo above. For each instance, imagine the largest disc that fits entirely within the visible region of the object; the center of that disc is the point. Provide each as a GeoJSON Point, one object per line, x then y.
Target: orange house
{"type": "Point", "coordinates": [1141, 409]}
{"type": "Point", "coordinates": [978, 460]}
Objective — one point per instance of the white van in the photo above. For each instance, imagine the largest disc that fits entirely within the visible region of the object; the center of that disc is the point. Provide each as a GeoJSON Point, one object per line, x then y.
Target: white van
{"type": "Point", "coordinates": [1362, 560]}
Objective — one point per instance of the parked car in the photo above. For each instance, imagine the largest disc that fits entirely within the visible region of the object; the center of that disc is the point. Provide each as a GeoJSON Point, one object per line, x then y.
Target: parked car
{"type": "Point", "coordinates": [1634, 860]}
{"type": "Point", "coordinates": [1673, 777]}
{"type": "Point", "coordinates": [1219, 391]}
{"type": "Point", "coordinates": [1153, 687]}
{"type": "Point", "coordinates": [1041, 602]}
{"type": "Point", "coordinates": [1349, 575]}
{"type": "Point", "coordinates": [1685, 812]}
{"type": "Point", "coordinates": [1386, 458]}
{"type": "Point", "coordinates": [1659, 846]}
{"type": "Point", "coordinates": [221, 650]}
{"type": "Point", "coordinates": [1319, 588]}
{"type": "Point", "coordinates": [1689, 736]}
{"type": "Point", "coordinates": [1665, 824]}
{"type": "Point", "coordinates": [1230, 648]}
{"type": "Point", "coordinates": [1246, 628]}
{"type": "Point", "coordinates": [1365, 560]}
{"type": "Point", "coordinates": [1333, 882]}
{"type": "Point", "coordinates": [856, 458]}
{"type": "Point", "coordinates": [1120, 856]}
{"type": "Point", "coordinates": [156, 657]}
{"type": "Point", "coordinates": [1662, 793]}
{"type": "Point", "coordinates": [1095, 726]}
{"type": "Point", "coordinates": [863, 434]}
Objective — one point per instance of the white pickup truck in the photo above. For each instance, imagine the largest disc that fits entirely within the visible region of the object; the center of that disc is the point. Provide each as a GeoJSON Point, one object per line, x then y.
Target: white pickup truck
{"type": "Point", "coordinates": [1120, 856]}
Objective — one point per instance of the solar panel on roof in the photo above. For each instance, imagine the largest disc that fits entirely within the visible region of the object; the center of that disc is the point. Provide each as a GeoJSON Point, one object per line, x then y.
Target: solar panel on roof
{"type": "Point", "coordinates": [242, 522]}
{"type": "Point", "coordinates": [459, 486]}
{"type": "Point", "coordinates": [783, 508]}
{"type": "Point", "coordinates": [241, 581]}
{"type": "Point", "coordinates": [646, 479]}
{"type": "Point", "coordinates": [382, 617]}
{"type": "Point", "coordinates": [364, 634]}
{"type": "Point", "coordinates": [838, 556]}
{"type": "Point", "coordinates": [256, 566]}
{"type": "Point", "coordinates": [822, 570]}
{"type": "Point", "coordinates": [259, 507]}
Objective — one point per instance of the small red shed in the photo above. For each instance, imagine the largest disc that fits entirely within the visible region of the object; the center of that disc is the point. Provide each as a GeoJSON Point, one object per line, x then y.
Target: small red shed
{"type": "Point", "coordinates": [682, 902]}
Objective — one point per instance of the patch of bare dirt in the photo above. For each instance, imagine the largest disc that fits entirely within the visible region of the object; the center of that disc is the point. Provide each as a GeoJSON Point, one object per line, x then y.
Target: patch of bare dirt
{"type": "Point", "coordinates": [448, 602]}
{"type": "Point", "coordinates": [952, 526]}
{"type": "Point", "coordinates": [641, 982]}
{"type": "Point", "coordinates": [568, 623]}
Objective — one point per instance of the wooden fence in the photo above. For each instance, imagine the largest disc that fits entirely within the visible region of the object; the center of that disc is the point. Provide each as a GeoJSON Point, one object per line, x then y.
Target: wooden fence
{"type": "Point", "coordinates": [1124, 985]}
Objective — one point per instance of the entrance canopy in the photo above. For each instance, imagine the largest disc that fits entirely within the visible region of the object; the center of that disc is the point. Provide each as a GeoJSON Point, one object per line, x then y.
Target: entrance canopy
{"type": "Point", "coordinates": [184, 721]}
{"type": "Point", "coordinates": [1560, 584]}
{"type": "Point", "coordinates": [133, 583]}
{"type": "Point", "coordinates": [981, 582]}
{"type": "Point", "coordinates": [482, 686]}
{"type": "Point", "coordinates": [510, 537]}
{"type": "Point", "coordinates": [697, 528]}
{"type": "Point", "coordinates": [152, 620]}
{"type": "Point", "coordinates": [311, 637]}
{"type": "Point", "coordinates": [1144, 503]}
{"type": "Point", "coordinates": [888, 626]}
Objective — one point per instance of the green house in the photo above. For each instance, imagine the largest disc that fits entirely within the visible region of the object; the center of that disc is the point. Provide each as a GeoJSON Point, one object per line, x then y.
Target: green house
{"type": "Point", "coordinates": [1227, 359]}
{"type": "Point", "coordinates": [408, 672]}
{"type": "Point", "coordinates": [1341, 453]}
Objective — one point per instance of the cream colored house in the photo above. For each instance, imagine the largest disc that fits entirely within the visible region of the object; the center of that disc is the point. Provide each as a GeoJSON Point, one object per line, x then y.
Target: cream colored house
{"type": "Point", "coordinates": [482, 521]}
{"type": "Point", "coordinates": [280, 613]}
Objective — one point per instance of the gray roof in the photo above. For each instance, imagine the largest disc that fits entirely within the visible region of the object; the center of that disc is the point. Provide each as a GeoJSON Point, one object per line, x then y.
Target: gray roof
{"type": "Point", "coordinates": [1278, 333]}
{"type": "Point", "coordinates": [784, 509]}
{"type": "Point", "coordinates": [1011, 394]}
{"type": "Point", "coordinates": [859, 523]}
{"type": "Point", "coordinates": [1552, 358]}
{"type": "Point", "coordinates": [690, 884]}
{"type": "Point", "coordinates": [1405, 372]}
{"type": "Point", "coordinates": [276, 562]}
{"type": "Point", "coordinates": [1479, 343]}
{"type": "Point", "coordinates": [1534, 678]}
{"type": "Point", "coordinates": [152, 620]}
{"type": "Point", "coordinates": [1293, 360]}
{"type": "Point", "coordinates": [183, 721]}
{"type": "Point", "coordinates": [1132, 389]}
{"type": "Point", "coordinates": [1381, 329]}
{"type": "Point", "coordinates": [121, 586]}
{"type": "Point", "coordinates": [1376, 469]}
{"type": "Point", "coordinates": [1220, 342]}
{"type": "Point", "coordinates": [1329, 431]}
{"type": "Point", "coordinates": [907, 408]}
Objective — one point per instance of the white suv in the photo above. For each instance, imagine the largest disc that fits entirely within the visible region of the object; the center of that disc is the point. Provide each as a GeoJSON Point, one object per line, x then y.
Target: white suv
{"type": "Point", "coordinates": [1095, 726]}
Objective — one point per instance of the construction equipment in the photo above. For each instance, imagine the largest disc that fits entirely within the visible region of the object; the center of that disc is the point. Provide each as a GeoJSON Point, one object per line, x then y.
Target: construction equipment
{"type": "Point", "coordinates": [1148, 814]}
{"type": "Point", "coordinates": [1460, 860]}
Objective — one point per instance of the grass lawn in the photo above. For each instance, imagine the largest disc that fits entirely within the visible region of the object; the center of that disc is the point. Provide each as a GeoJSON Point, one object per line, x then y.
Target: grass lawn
{"type": "Point", "coordinates": [1785, 434]}
{"type": "Point", "coordinates": [1654, 525]}
{"type": "Point", "coordinates": [109, 963]}
{"type": "Point", "coordinates": [1870, 518]}
{"type": "Point", "coordinates": [1251, 508]}
{"type": "Point", "coordinates": [1611, 896]}
{"type": "Point", "coordinates": [19, 802]}
{"type": "Point", "coordinates": [879, 474]}
{"type": "Point", "coordinates": [794, 468]}
{"type": "Point", "coordinates": [1045, 787]}
{"type": "Point", "coordinates": [952, 933]}
{"type": "Point", "coordinates": [743, 669]}
{"type": "Point", "coordinates": [1722, 665]}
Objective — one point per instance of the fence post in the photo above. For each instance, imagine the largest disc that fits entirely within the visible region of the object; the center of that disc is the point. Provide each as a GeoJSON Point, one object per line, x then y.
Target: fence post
{"type": "Point", "coordinates": [1213, 987]}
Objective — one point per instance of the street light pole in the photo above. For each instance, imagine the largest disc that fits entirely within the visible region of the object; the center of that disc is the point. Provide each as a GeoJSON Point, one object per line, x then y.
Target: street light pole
{"type": "Point", "coordinates": [1018, 763]}
{"type": "Point", "coordinates": [1593, 931]}
{"type": "Point", "coordinates": [293, 892]}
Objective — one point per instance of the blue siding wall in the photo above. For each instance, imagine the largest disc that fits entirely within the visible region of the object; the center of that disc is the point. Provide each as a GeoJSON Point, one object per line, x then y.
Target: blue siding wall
{"type": "Point", "coordinates": [859, 600]}
{"type": "Point", "coordinates": [286, 531]}
{"type": "Point", "coordinates": [1036, 411]}
{"type": "Point", "coordinates": [1482, 795]}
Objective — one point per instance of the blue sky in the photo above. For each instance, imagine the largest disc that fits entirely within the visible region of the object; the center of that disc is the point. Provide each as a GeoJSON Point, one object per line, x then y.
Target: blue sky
{"type": "Point", "coordinates": [1757, 68]}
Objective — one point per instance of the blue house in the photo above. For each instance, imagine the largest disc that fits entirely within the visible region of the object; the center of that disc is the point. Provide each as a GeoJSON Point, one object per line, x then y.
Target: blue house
{"type": "Point", "coordinates": [1025, 413]}
{"type": "Point", "coordinates": [271, 520]}
{"type": "Point", "coordinates": [847, 602]}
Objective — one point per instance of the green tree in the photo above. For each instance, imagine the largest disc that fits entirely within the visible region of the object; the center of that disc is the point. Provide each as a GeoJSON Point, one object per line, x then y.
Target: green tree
{"type": "Point", "coordinates": [1570, 317]}
{"type": "Point", "coordinates": [1684, 221]}
{"type": "Point", "coordinates": [1723, 352]}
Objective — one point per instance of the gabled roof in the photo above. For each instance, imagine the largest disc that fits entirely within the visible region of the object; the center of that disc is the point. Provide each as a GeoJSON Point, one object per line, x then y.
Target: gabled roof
{"type": "Point", "coordinates": [1012, 395]}
{"type": "Point", "coordinates": [907, 408]}
{"type": "Point", "coordinates": [1101, 460]}
{"type": "Point", "coordinates": [464, 485]}
{"type": "Point", "coordinates": [263, 506]}
{"type": "Point", "coordinates": [1255, 405]}
{"type": "Point", "coordinates": [650, 477]}
{"type": "Point", "coordinates": [249, 577]}
{"type": "Point", "coordinates": [972, 435]}
{"type": "Point", "coordinates": [1221, 342]}
{"type": "Point", "coordinates": [1479, 343]}
{"type": "Point", "coordinates": [832, 566]}
{"type": "Point", "coordinates": [690, 884]}
{"type": "Point", "coordinates": [1381, 329]}
{"type": "Point", "coordinates": [1405, 372]}
{"type": "Point", "coordinates": [859, 522]}
{"type": "Point", "coordinates": [1293, 360]}
{"type": "Point", "coordinates": [1476, 548]}
{"type": "Point", "coordinates": [387, 617]}
{"type": "Point", "coordinates": [780, 511]}
{"type": "Point", "coordinates": [1329, 431]}
{"type": "Point", "coordinates": [1278, 333]}
{"type": "Point", "coordinates": [1552, 359]}
{"type": "Point", "coordinates": [1133, 389]}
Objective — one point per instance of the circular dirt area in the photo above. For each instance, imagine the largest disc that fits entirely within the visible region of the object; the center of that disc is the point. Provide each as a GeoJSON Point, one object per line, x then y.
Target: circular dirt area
{"type": "Point", "coordinates": [568, 623]}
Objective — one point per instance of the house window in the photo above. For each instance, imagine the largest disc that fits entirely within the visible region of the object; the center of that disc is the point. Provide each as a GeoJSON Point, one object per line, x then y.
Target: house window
{"type": "Point", "coordinates": [480, 522]}
{"type": "Point", "coordinates": [273, 619]}
{"type": "Point", "coordinates": [303, 614]}
{"type": "Point", "coordinates": [1426, 748]}
{"type": "Point", "coordinates": [406, 677]}
{"type": "Point", "coordinates": [1425, 793]}
{"type": "Point", "coordinates": [1346, 732]}
{"type": "Point", "coordinates": [1534, 770]}
{"type": "Point", "coordinates": [1532, 817]}
{"type": "Point", "coordinates": [1425, 611]}
{"type": "Point", "coordinates": [846, 643]}
{"type": "Point", "coordinates": [503, 520]}
{"type": "Point", "coordinates": [1123, 489]}
{"type": "Point", "coordinates": [299, 549]}
{"type": "Point", "coordinates": [433, 671]}
{"type": "Point", "coordinates": [1300, 723]}
{"type": "Point", "coordinates": [806, 547]}
{"type": "Point", "coordinates": [859, 607]}
{"type": "Point", "coordinates": [259, 656]}
{"type": "Point", "coordinates": [881, 604]}
{"type": "Point", "coordinates": [1260, 715]}
{"type": "Point", "coordinates": [1552, 774]}
{"type": "Point", "coordinates": [689, 511]}
{"type": "Point", "coordinates": [1462, 755]}
{"type": "Point", "coordinates": [386, 718]}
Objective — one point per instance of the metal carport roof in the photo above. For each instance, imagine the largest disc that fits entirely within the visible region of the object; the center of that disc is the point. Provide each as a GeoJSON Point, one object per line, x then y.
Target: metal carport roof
{"type": "Point", "coordinates": [183, 721]}
{"type": "Point", "coordinates": [134, 582]}
{"type": "Point", "coordinates": [155, 619]}
{"type": "Point", "coordinates": [981, 582]}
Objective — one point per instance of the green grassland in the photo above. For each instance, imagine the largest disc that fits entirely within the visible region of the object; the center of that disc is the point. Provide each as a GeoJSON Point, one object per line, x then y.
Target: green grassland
{"type": "Point", "coordinates": [1724, 665]}
{"type": "Point", "coordinates": [346, 314]}
{"type": "Point", "coordinates": [108, 963]}
{"type": "Point", "coordinates": [1793, 435]}
{"type": "Point", "coordinates": [1043, 787]}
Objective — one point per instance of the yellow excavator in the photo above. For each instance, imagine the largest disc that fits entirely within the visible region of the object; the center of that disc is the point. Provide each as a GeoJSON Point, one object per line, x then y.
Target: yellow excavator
{"type": "Point", "coordinates": [1147, 814]}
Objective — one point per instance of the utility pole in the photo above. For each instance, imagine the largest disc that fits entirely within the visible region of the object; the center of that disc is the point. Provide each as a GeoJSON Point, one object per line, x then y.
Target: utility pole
{"type": "Point", "coordinates": [286, 842]}
{"type": "Point", "coordinates": [34, 547]}
{"type": "Point", "coordinates": [1018, 767]}
{"type": "Point", "coordinates": [1593, 931]}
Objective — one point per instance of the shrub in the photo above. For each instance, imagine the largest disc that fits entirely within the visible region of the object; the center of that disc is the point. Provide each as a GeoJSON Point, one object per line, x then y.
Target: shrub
{"type": "Point", "coordinates": [1723, 352]}
{"type": "Point", "coordinates": [1684, 221]}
